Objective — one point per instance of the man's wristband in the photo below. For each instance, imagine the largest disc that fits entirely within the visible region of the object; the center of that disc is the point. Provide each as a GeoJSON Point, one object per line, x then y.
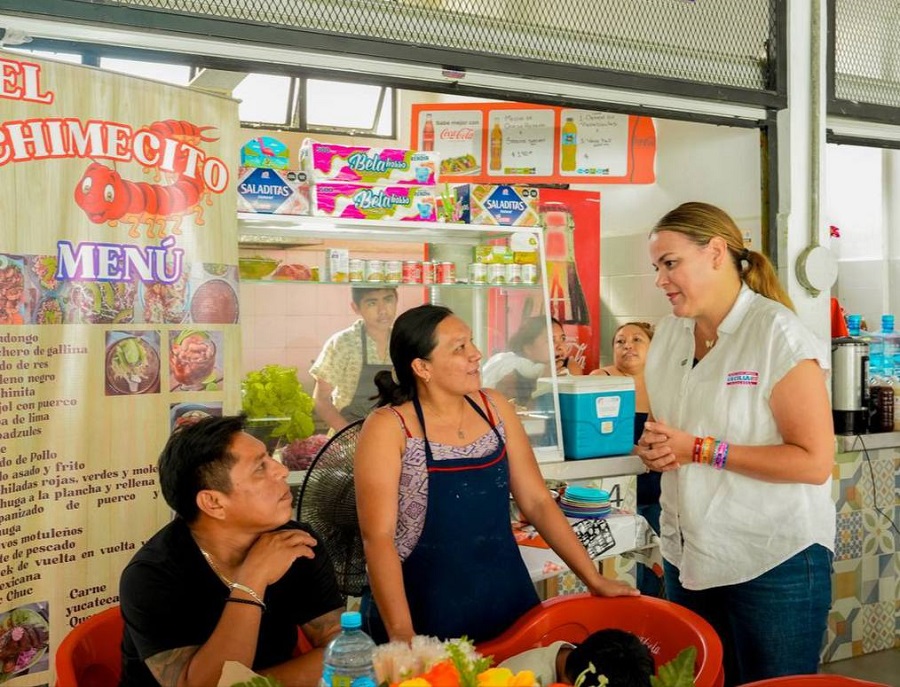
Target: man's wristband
{"type": "Point", "coordinates": [249, 602]}
{"type": "Point", "coordinates": [247, 590]}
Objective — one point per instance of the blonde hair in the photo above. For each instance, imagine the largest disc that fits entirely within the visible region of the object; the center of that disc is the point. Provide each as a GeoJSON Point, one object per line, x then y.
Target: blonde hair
{"type": "Point", "coordinates": [701, 222]}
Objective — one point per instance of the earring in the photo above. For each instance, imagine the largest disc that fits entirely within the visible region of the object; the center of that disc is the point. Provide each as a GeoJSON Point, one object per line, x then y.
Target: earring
{"type": "Point", "coordinates": [428, 379]}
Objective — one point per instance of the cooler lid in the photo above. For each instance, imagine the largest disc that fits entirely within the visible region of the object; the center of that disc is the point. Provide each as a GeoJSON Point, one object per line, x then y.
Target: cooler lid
{"type": "Point", "coordinates": [587, 384]}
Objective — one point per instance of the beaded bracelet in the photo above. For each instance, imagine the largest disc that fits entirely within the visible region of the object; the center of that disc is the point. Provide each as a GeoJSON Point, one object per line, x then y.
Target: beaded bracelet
{"type": "Point", "coordinates": [721, 455]}
{"type": "Point", "coordinates": [695, 454]}
{"type": "Point", "coordinates": [249, 602]}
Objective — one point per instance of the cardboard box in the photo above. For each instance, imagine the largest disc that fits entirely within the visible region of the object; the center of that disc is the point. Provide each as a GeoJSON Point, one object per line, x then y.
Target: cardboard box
{"type": "Point", "coordinates": [597, 416]}
{"type": "Point", "coordinates": [327, 162]}
{"type": "Point", "coordinates": [272, 191]}
{"type": "Point", "coordinates": [337, 264]}
{"type": "Point", "coordinates": [498, 204]}
{"type": "Point", "coordinates": [364, 201]}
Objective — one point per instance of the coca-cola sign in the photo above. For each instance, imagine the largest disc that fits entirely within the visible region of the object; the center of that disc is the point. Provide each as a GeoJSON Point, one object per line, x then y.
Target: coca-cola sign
{"type": "Point", "coordinates": [461, 134]}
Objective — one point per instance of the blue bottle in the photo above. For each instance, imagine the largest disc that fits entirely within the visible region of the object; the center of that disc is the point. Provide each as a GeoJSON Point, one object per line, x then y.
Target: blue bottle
{"type": "Point", "coordinates": [348, 657]}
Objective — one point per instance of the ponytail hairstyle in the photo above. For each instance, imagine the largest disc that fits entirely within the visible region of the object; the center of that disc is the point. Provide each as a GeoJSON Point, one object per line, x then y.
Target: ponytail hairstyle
{"type": "Point", "coordinates": [412, 336]}
{"type": "Point", "coordinates": [701, 222]}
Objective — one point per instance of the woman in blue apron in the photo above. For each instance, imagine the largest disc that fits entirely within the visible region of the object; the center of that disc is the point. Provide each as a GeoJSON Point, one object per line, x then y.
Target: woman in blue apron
{"type": "Point", "coordinates": [434, 470]}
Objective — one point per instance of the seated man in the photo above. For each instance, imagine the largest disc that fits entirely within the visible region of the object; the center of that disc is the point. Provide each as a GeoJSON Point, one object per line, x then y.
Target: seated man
{"type": "Point", "coordinates": [616, 654]}
{"type": "Point", "coordinates": [346, 366]}
{"type": "Point", "coordinates": [232, 576]}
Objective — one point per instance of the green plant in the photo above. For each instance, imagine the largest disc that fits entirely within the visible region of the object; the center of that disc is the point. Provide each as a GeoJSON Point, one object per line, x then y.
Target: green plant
{"type": "Point", "coordinates": [679, 672]}
{"type": "Point", "coordinates": [274, 394]}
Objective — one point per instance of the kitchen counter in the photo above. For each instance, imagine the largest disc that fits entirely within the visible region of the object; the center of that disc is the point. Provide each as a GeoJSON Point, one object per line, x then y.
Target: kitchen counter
{"type": "Point", "coordinates": [857, 442]}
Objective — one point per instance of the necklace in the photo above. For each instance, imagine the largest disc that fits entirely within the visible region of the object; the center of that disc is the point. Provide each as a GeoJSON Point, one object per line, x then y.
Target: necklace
{"type": "Point", "coordinates": [459, 430]}
{"type": "Point", "coordinates": [710, 343]}
{"type": "Point", "coordinates": [212, 564]}
{"type": "Point", "coordinates": [230, 583]}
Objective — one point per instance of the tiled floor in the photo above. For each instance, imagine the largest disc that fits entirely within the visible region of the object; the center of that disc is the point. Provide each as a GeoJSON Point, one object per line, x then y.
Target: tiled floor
{"type": "Point", "coordinates": [881, 666]}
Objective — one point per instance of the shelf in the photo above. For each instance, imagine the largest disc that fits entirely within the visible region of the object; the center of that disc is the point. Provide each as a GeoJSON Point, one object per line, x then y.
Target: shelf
{"type": "Point", "coordinates": [872, 442]}
{"type": "Point", "coordinates": [589, 468]}
{"type": "Point", "coordinates": [393, 285]}
{"type": "Point", "coordinates": [298, 230]}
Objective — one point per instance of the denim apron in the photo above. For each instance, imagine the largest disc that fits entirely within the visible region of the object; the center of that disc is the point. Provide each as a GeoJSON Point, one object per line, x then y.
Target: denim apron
{"type": "Point", "coordinates": [465, 575]}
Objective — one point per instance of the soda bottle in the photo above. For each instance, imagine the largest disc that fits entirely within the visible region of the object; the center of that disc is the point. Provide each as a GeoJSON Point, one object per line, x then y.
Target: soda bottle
{"type": "Point", "coordinates": [568, 145]}
{"type": "Point", "coordinates": [496, 161]}
{"type": "Point", "coordinates": [428, 133]}
{"type": "Point", "coordinates": [348, 657]}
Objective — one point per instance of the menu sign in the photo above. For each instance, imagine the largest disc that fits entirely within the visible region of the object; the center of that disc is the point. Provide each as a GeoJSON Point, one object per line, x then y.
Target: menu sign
{"type": "Point", "coordinates": [458, 135]}
{"type": "Point", "coordinates": [118, 320]}
{"type": "Point", "coordinates": [521, 143]}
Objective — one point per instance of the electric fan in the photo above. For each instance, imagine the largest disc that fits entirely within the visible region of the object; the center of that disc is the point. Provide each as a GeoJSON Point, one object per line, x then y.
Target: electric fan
{"type": "Point", "coordinates": [327, 503]}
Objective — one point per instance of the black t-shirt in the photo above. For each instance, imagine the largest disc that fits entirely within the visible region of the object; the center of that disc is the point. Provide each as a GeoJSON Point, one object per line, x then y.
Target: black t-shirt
{"type": "Point", "coordinates": [170, 598]}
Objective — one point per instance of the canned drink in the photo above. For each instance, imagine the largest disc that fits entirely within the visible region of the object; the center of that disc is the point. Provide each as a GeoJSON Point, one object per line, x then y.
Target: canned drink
{"type": "Point", "coordinates": [477, 273]}
{"type": "Point", "coordinates": [393, 271]}
{"type": "Point", "coordinates": [428, 272]}
{"type": "Point", "coordinates": [412, 272]}
{"type": "Point", "coordinates": [357, 269]}
{"type": "Point", "coordinates": [529, 274]}
{"type": "Point", "coordinates": [496, 273]}
{"type": "Point", "coordinates": [513, 273]}
{"type": "Point", "coordinates": [374, 270]}
{"type": "Point", "coordinates": [445, 272]}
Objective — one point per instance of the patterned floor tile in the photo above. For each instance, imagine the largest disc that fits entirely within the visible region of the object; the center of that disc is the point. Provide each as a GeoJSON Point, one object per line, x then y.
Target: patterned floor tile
{"type": "Point", "coordinates": [878, 537]}
{"type": "Point", "coordinates": [846, 580]}
{"type": "Point", "coordinates": [878, 625]}
{"type": "Point", "coordinates": [844, 627]}
{"type": "Point", "coordinates": [849, 536]}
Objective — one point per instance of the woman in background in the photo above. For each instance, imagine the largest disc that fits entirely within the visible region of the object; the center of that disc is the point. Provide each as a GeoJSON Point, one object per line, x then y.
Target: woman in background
{"type": "Point", "coordinates": [514, 373]}
{"type": "Point", "coordinates": [741, 429]}
{"type": "Point", "coordinates": [631, 342]}
{"type": "Point", "coordinates": [434, 469]}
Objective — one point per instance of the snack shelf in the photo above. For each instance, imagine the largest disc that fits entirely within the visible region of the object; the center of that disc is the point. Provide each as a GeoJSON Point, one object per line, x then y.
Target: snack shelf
{"type": "Point", "coordinates": [279, 230]}
{"type": "Point", "coordinates": [391, 285]}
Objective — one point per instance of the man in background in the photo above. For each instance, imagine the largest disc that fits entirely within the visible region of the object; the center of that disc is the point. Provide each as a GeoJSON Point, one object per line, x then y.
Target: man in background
{"type": "Point", "coordinates": [346, 367]}
{"type": "Point", "coordinates": [232, 577]}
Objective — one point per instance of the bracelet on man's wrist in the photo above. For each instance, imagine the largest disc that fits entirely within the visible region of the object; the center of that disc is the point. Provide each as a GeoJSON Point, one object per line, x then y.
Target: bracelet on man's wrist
{"type": "Point", "coordinates": [249, 602]}
{"type": "Point", "coordinates": [248, 590]}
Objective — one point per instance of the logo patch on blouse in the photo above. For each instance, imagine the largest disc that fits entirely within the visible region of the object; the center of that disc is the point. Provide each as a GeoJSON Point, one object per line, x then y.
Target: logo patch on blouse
{"type": "Point", "coordinates": [742, 378]}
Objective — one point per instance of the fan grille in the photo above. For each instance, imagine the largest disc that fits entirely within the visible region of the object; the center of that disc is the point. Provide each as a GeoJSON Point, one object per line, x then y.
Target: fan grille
{"type": "Point", "coordinates": [327, 503]}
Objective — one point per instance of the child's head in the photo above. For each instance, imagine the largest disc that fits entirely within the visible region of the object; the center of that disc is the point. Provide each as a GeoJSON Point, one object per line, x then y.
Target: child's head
{"type": "Point", "coordinates": [617, 654]}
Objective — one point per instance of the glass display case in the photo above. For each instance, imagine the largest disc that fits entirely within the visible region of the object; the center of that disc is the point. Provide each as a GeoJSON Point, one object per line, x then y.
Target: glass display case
{"type": "Point", "coordinates": [297, 274]}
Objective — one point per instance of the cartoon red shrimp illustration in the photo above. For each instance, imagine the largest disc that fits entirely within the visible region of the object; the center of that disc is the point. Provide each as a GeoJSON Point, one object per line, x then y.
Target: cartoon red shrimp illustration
{"type": "Point", "coordinates": [108, 198]}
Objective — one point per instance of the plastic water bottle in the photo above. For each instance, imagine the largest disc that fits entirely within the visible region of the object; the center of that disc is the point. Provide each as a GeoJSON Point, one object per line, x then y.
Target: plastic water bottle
{"type": "Point", "coordinates": [348, 657]}
{"type": "Point", "coordinates": [883, 348]}
{"type": "Point", "coordinates": [853, 325]}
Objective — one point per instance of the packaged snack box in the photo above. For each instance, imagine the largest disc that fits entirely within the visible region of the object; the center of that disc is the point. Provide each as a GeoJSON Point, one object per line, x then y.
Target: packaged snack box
{"type": "Point", "coordinates": [265, 151]}
{"type": "Point", "coordinates": [498, 204]}
{"type": "Point", "coordinates": [365, 165]}
{"type": "Point", "coordinates": [272, 191]}
{"type": "Point", "coordinates": [364, 201]}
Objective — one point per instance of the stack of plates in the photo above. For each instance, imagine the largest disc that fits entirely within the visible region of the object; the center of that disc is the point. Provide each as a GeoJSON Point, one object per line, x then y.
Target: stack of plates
{"type": "Point", "coordinates": [584, 502]}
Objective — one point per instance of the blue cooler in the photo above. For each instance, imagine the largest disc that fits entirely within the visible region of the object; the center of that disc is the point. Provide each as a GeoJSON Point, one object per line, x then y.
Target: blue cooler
{"type": "Point", "coordinates": [597, 415]}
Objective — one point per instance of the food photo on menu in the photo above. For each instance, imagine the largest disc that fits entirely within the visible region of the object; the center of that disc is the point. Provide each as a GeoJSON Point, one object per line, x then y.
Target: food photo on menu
{"type": "Point", "coordinates": [195, 360]}
{"type": "Point", "coordinates": [132, 363]}
{"type": "Point", "coordinates": [24, 640]}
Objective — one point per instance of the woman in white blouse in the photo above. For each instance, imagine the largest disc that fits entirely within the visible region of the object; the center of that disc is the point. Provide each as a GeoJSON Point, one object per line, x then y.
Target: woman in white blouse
{"type": "Point", "coordinates": [741, 429]}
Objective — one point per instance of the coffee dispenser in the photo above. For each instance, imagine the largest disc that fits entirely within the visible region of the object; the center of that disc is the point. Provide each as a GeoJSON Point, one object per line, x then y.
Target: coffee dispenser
{"type": "Point", "coordinates": [849, 385]}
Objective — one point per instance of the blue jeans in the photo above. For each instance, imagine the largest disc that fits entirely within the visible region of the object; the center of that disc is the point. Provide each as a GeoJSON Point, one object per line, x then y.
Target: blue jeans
{"type": "Point", "coordinates": [770, 626]}
{"type": "Point", "coordinates": [645, 579]}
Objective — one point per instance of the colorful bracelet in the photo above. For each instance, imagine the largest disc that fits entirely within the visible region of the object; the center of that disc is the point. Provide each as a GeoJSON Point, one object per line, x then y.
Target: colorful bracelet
{"type": "Point", "coordinates": [721, 455]}
{"type": "Point", "coordinates": [695, 454]}
{"type": "Point", "coordinates": [708, 450]}
{"type": "Point", "coordinates": [249, 602]}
